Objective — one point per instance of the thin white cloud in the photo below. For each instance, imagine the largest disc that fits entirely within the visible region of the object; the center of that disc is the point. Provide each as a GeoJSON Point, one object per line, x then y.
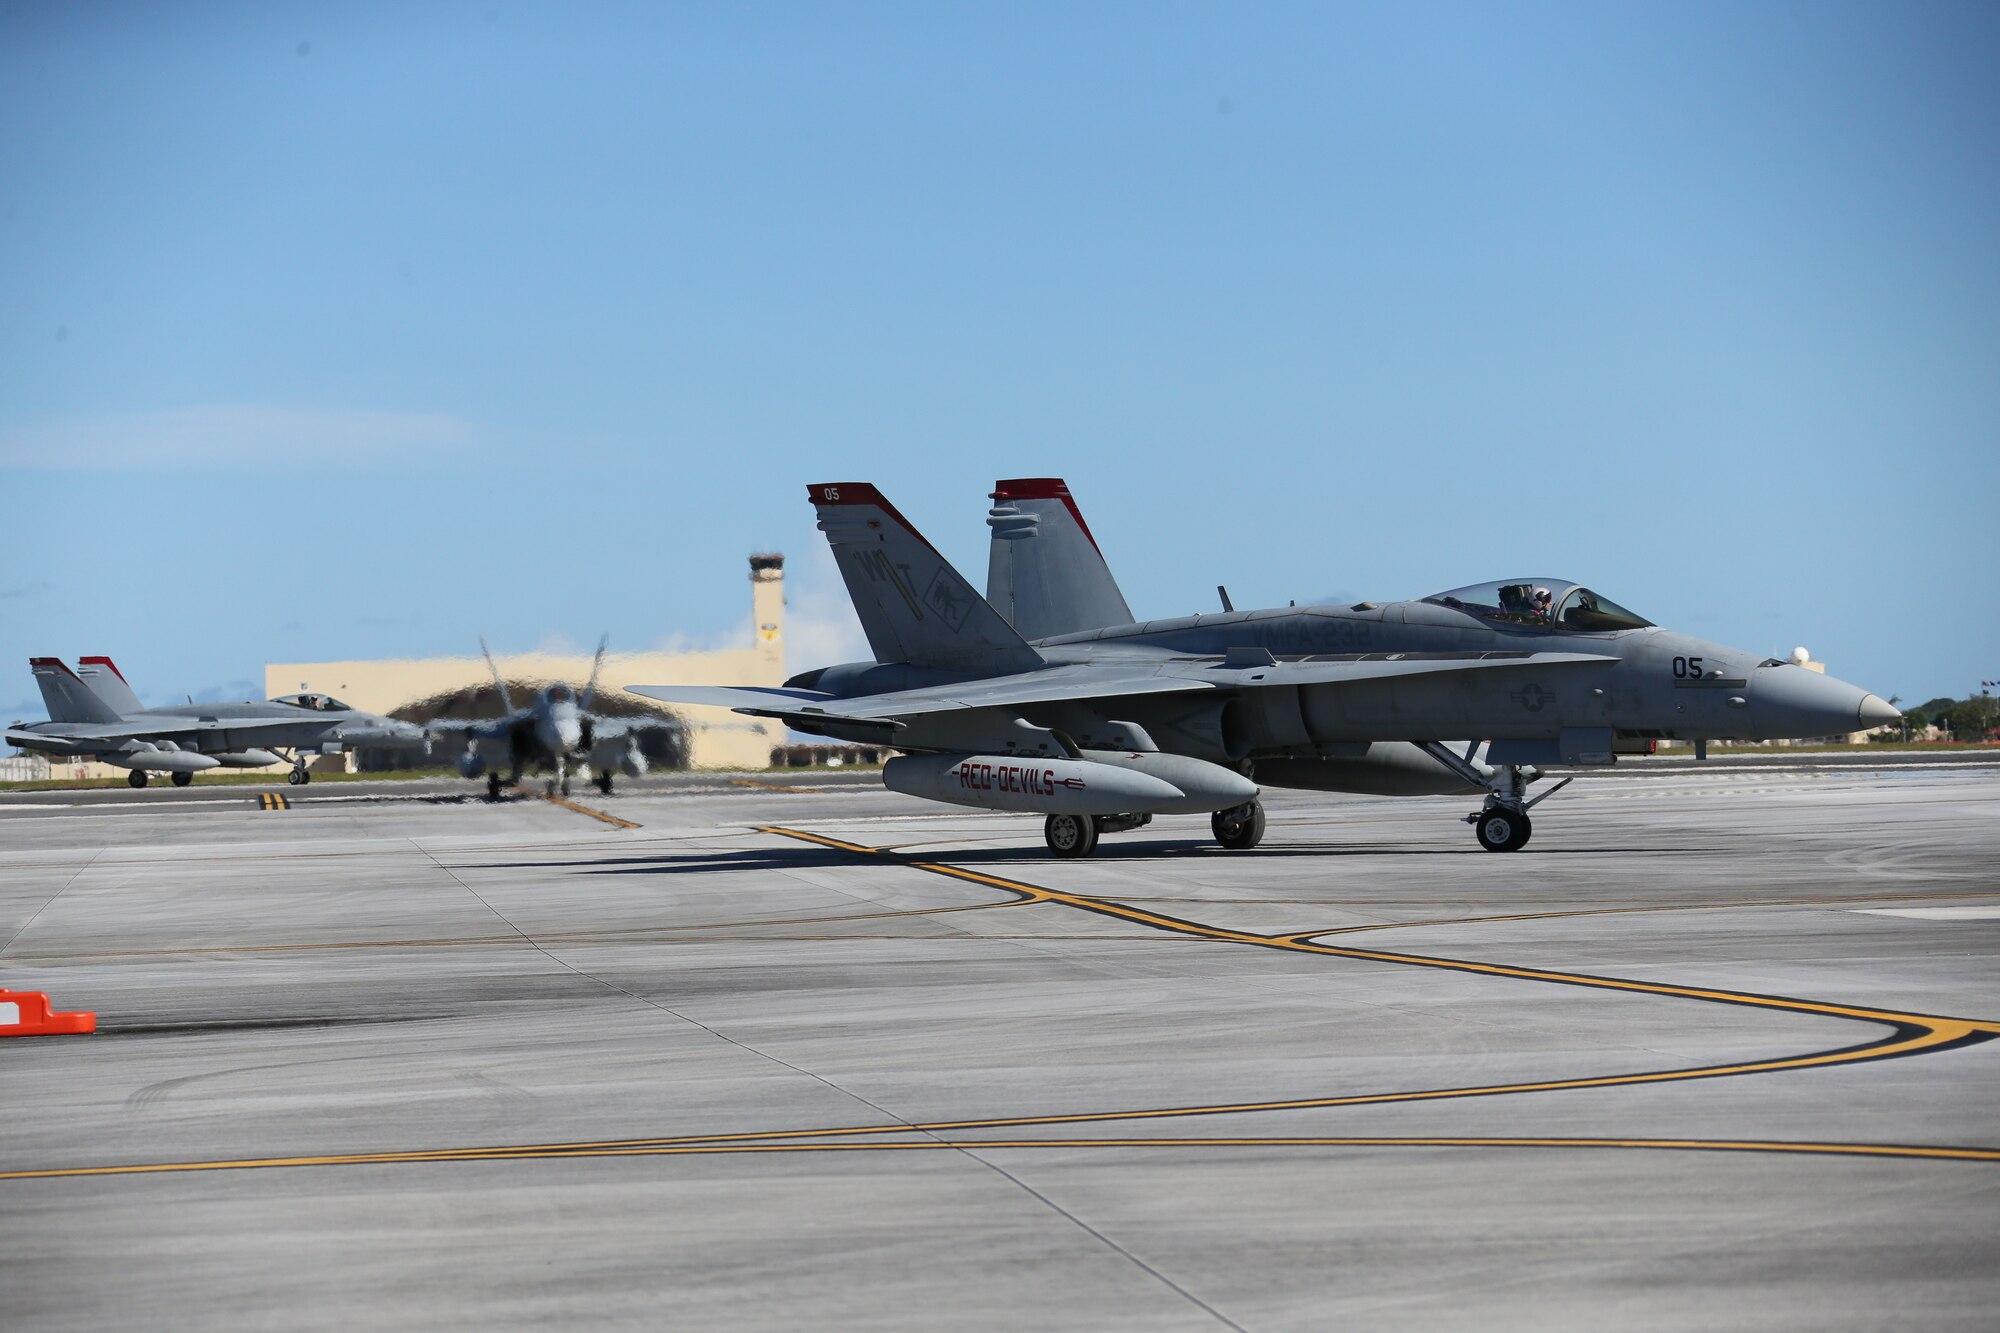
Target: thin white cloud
{"type": "Point", "coordinates": [820, 625]}
{"type": "Point", "coordinates": [232, 435]}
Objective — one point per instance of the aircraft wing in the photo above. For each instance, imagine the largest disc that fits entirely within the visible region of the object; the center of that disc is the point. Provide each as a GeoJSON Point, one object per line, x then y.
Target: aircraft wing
{"type": "Point", "coordinates": [1085, 682]}
{"type": "Point", "coordinates": [93, 735]}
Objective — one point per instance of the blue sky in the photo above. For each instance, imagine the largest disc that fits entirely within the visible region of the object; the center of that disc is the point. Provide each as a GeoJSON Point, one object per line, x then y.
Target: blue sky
{"type": "Point", "coordinates": [352, 331]}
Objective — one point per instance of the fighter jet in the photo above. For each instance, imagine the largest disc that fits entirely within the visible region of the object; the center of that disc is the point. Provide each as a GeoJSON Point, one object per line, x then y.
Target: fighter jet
{"type": "Point", "coordinates": [96, 715]}
{"type": "Point", "coordinates": [1100, 728]}
{"type": "Point", "coordinates": [555, 730]}
{"type": "Point", "coordinates": [1047, 577]}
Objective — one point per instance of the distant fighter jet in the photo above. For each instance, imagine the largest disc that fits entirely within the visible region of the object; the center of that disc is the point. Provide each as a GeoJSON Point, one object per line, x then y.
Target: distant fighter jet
{"type": "Point", "coordinates": [93, 714]}
{"type": "Point", "coordinates": [1100, 728]}
{"type": "Point", "coordinates": [550, 734]}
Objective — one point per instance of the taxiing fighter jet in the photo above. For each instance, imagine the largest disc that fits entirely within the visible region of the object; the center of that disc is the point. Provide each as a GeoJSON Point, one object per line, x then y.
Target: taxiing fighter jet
{"type": "Point", "coordinates": [552, 733]}
{"type": "Point", "coordinates": [1101, 728]}
{"type": "Point", "coordinates": [1047, 577]}
{"type": "Point", "coordinates": [95, 715]}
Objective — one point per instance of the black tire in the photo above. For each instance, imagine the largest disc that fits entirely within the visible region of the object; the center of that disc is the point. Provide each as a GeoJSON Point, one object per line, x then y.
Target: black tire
{"type": "Point", "coordinates": [492, 786]}
{"type": "Point", "coordinates": [604, 783]}
{"type": "Point", "coordinates": [182, 779]}
{"type": "Point", "coordinates": [1502, 830]}
{"type": "Point", "coordinates": [1070, 836]}
{"type": "Point", "coordinates": [296, 778]}
{"type": "Point", "coordinates": [1239, 828]}
{"type": "Point", "coordinates": [565, 786]}
{"type": "Point", "coordinates": [136, 778]}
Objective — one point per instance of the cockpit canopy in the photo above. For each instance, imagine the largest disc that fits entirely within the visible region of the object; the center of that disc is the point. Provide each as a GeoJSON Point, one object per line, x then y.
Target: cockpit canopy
{"type": "Point", "coordinates": [1541, 604]}
{"type": "Point", "coordinates": [318, 703]}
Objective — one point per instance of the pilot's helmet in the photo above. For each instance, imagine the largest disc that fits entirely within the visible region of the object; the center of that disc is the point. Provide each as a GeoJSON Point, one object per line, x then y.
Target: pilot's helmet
{"type": "Point", "coordinates": [1542, 599]}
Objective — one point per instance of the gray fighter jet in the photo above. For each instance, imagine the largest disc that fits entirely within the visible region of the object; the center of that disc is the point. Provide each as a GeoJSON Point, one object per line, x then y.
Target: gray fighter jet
{"type": "Point", "coordinates": [553, 732]}
{"type": "Point", "coordinates": [1100, 728]}
{"type": "Point", "coordinates": [96, 715]}
{"type": "Point", "coordinates": [1047, 577]}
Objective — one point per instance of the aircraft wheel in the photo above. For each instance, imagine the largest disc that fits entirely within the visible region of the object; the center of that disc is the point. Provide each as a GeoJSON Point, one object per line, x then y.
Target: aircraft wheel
{"type": "Point", "coordinates": [1241, 828]}
{"type": "Point", "coordinates": [492, 786]}
{"type": "Point", "coordinates": [137, 777]}
{"type": "Point", "coordinates": [182, 779]}
{"type": "Point", "coordinates": [296, 778]}
{"type": "Point", "coordinates": [1071, 835]}
{"type": "Point", "coordinates": [604, 783]}
{"type": "Point", "coordinates": [565, 786]}
{"type": "Point", "coordinates": [1502, 830]}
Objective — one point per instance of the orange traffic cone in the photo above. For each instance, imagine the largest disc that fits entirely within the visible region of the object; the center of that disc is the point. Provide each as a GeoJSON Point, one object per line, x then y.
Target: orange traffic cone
{"type": "Point", "coordinates": [26, 1013]}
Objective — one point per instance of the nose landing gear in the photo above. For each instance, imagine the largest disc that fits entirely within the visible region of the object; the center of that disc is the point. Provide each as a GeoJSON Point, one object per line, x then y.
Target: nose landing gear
{"type": "Point", "coordinates": [1501, 829]}
{"type": "Point", "coordinates": [1503, 824]}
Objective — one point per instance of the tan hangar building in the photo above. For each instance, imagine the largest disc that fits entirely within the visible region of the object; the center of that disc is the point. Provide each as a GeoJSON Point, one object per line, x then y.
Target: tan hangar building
{"type": "Point", "coordinates": [717, 738]}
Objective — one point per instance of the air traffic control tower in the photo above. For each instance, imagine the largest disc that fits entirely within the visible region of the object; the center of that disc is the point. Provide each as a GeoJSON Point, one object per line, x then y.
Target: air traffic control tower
{"type": "Point", "coordinates": [717, 738]}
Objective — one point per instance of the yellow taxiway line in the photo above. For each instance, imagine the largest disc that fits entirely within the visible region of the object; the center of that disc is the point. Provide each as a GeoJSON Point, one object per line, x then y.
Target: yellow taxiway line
{"type": "Point", "coordinates": [568, 804]}
{"type": "Point", "coordinates": [1909, 1034]}
{"type": "Point", "coordinates": [548, 1152]}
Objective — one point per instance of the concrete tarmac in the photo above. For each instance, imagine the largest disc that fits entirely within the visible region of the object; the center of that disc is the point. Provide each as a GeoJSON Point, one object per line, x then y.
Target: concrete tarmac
{"type": "Point", "coordinates": [1712, 1051]}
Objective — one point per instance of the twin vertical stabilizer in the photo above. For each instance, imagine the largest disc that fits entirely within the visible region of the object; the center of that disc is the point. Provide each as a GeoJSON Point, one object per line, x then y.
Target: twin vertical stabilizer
{"type": "Point", "coordinates": [102, 678]}
{"type": "Point", "coordinates": [1044, 574]}
{"type": "Point", "coordinates": [67, 697]}
{"type": "Point", "coordinates": [914, 607]}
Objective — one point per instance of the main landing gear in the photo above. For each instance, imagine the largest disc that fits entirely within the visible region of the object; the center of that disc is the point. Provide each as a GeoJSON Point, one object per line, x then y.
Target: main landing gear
{"type": "Point", "coordinates": [1072, 835]}
{"type": "Point", "coordinates": [182, 779]}
{"type": "Point", "coordinates": [1238, 828]}
{"type": "Point", "coordinates": [492, 786]}
{"type": "Point", "coordinates": [603, 781]}
{"type": "Point", "coordinates": [136, 778]}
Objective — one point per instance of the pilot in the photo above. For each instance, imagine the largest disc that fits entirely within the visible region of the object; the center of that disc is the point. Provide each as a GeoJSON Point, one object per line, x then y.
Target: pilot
{"type": "Point", "coordinates": [1544, 603]}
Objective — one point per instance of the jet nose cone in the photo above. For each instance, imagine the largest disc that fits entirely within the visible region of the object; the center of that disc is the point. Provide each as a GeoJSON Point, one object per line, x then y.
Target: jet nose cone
{"type": "Point", "coordinates": [1878, 713]}
{"type": "Point", "coordinates": [1790, 702]}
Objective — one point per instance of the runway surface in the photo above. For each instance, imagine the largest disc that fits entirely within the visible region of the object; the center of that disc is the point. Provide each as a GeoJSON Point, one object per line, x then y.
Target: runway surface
{"type": "Point", "coordinates": [1715, 1050]}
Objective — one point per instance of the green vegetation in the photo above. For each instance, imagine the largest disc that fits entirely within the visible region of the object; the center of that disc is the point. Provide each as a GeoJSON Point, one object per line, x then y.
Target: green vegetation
{"type": "Point", "coordinates": [1971, 719]}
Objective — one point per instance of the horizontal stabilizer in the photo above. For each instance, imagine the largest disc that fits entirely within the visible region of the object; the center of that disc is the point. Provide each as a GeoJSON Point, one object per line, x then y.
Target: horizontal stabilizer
{"type": "Point", "coordinates": [755, 701]}
{"type": "Point", "coordinates": [35, 740]}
